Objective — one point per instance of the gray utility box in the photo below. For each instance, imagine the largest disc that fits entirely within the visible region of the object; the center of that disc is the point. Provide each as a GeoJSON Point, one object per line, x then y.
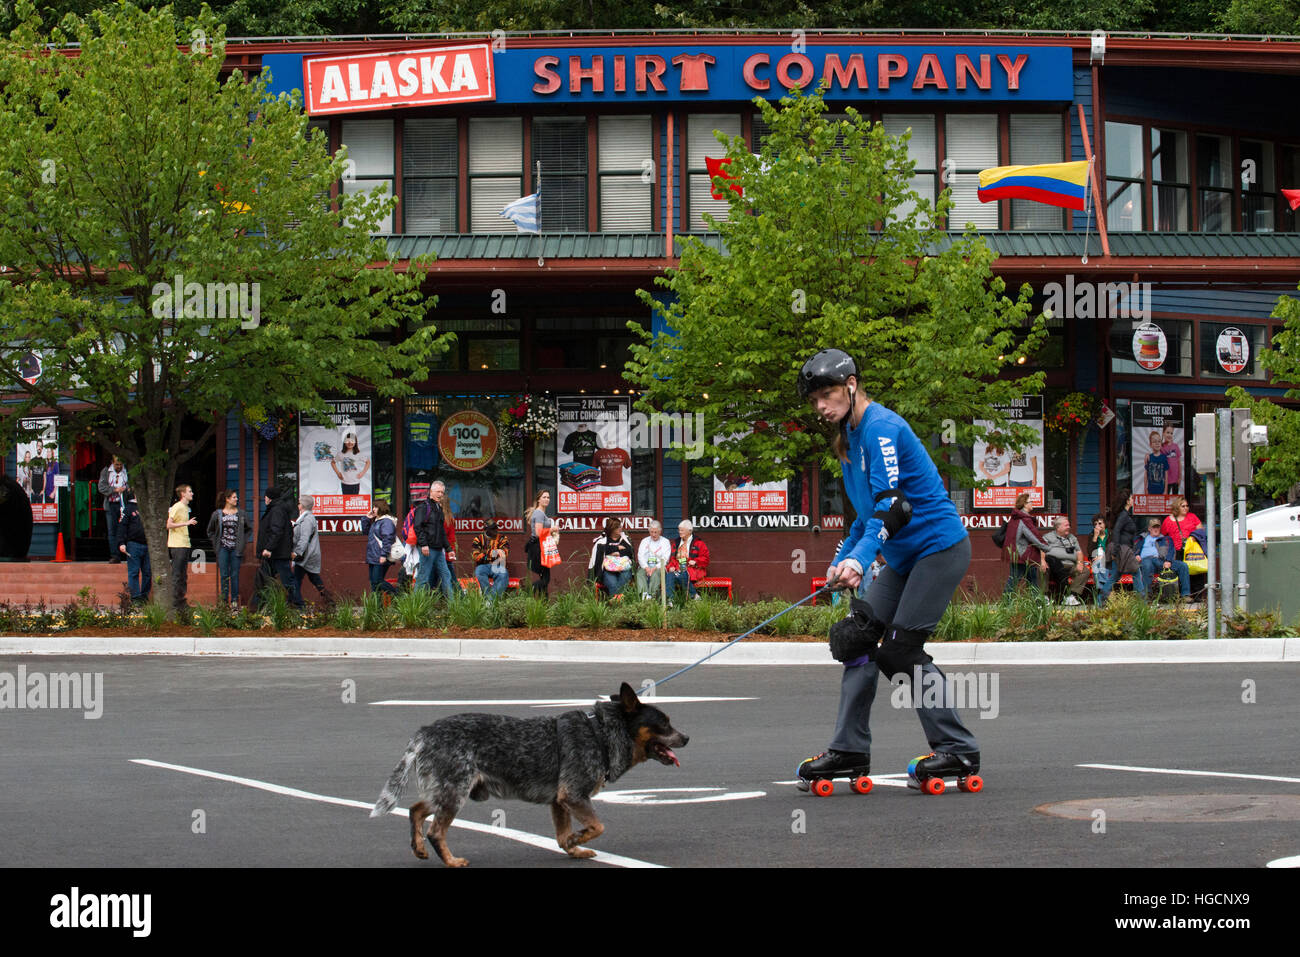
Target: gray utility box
{"type": "Point", "coordinates": [1273, 570]}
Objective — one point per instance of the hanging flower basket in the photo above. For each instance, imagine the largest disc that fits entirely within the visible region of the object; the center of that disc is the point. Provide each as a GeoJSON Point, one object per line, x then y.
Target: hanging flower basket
{"type": "Point", "coordinates": [1073, 413]}
{"type": "Point", "coordinates": [260, 421]}
{"type": "Point", "coordinates": [528, 417]}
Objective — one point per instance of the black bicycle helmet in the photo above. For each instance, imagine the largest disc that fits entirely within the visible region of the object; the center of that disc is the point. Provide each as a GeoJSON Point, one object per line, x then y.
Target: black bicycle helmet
{"type": "Point", "coordinates": [828, 367]}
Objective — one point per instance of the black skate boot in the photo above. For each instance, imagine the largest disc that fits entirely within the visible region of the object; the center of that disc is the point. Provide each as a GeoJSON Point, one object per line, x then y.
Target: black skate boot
{"type": "Point", "coordinates": [927, 771]}
{"type": "Point", "coordinates": [818, 774]}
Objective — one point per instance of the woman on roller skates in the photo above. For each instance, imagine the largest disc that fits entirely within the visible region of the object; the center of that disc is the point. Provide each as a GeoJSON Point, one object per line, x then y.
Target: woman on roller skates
{"type": "Point", "coordinates": [903, 511]}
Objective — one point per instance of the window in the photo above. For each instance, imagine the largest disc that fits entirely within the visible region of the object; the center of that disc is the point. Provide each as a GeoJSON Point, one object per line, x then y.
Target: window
{"type": "Point", "coordinates": [560, 145]}
{"type": "Point", "coordinates": [430, 164]}
{"type": "Point", "coordinates": [1170, 182]}
{"type": "Point", "coordinates": [1290, 179]}
{"type": "Point", "coordinates": [624, 144]}
{"type": "Point", "coordinates": [370, 148]}
{"type": "Point", "coordinates": [496, 161]}
{"type": "Point", "coordinates": [1258, 187]}
{"type": "Point", "coordinates": [702, 144]}
{"type": "Point", "coordinates": [482, 345]}
{"type": "Point", "coordinates": [921, 149]}
{"type": "Point", "coordinates": [1036, 138]}
{"type": "Point", "coordinates": [584, 342]}
{"type": "Point", "coordinates": [1124, 177]}
{"type": "Point", "coordinates": [972, 145]}
{"type": "Point", "coordinates": [496, 490]}
{"type": "Point", "coordinates": [1125, 351]}
{"type": "Point", "coordinates": [1231, 350]}
{"type": "Point", "coordinates": [1215, 181]}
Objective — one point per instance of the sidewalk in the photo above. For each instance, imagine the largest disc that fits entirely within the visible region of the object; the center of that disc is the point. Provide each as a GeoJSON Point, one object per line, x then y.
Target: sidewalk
{"type": "Point", "coordinates": [1196, 651]}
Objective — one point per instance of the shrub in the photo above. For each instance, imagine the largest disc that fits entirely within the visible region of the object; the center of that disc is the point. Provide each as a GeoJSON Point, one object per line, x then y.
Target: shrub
{"type": "Point", "coordinates": [415, 608]}
{"type": "Point", "coordinates": [537, 612]}
{"type": "Point", "coordinates": [468, 609]}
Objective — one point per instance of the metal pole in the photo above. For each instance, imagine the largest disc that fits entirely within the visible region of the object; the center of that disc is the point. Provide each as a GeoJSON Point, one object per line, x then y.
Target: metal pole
{"type": "Point", "coordinates": [1211, 580]}
{"type": "Point", "coordinates": [1225, 509]}
{"type": "Point", "coordinates": [1241, 548]}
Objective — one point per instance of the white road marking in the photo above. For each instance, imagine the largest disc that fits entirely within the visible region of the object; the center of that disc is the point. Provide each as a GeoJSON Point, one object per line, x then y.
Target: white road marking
{"type": "Point", "coordinates": [523, 837]}
{"type": "Point", "coordinates": [651, 796]}
{"type": "Point", "coordinates": [537, 702]}
{"type": "Point", "coordinates": [1203, 774]}
{"type": "Point", "coordinates": [1284, 862]}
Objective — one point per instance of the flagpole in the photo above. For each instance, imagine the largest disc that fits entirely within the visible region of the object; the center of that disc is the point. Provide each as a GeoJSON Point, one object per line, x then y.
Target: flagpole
{"type": "Point", "coordinates": [1087, 213]}
{"type": "Point", "coordinates": [537, 188]}
{"type": "Point", "coordinates": [1096, 190]}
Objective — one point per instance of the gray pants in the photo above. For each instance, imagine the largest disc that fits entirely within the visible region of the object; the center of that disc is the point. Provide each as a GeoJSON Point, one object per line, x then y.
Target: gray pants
{"type": "Point", "coordinates": [915, 602]}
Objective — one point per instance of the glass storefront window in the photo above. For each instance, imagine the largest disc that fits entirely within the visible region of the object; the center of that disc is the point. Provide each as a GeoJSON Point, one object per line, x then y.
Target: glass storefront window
{"type": "Point", "coordinates": [495, 490]}
{"type": "Point", "coordinates": [1231, 350]}
{"type": "Point", "coordinates": [1176, 337]}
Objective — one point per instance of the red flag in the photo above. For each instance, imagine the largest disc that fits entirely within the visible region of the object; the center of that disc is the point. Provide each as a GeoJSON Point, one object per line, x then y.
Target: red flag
{"type": "Point", "coordinates": [1292, 196]}
{"type": "Point", "coordinates": [715, 168]}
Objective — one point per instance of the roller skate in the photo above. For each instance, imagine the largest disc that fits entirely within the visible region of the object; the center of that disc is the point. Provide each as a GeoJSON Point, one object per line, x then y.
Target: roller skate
{"type": "Point", "coordinates": [818, 774]}
{"type": "Point", "coordinates": [926, 772]}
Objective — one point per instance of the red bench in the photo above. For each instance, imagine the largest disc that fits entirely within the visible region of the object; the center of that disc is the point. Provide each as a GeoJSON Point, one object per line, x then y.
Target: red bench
{"type": "Point", "coordinates": [817, 585]}
{"type": "Point", "coordinates": [465, 583]}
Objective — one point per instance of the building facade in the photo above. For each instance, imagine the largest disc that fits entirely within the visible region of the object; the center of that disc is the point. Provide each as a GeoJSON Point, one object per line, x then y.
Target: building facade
{"type": "Point", "coordinates": [1155, 318]}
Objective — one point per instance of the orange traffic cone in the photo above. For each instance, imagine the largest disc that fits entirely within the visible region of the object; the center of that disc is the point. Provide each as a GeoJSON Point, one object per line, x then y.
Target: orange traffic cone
{"type": "Point", "coordinates": [59, 554]}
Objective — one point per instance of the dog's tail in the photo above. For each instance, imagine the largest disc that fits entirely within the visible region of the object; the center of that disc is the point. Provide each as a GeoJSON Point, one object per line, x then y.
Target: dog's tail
{"type": "Point", "coordinates": [396, 781]}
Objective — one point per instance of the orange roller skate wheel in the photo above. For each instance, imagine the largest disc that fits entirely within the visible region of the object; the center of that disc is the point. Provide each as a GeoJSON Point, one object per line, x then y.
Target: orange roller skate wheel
{"type": "Point", "coordinates": [862, 784]}
{"type": "Point", "coordinates": [933, 786]}
{"type": "Point", "coordinates": [823, 788]}
{"type": "Point", "coordinates": [973, 784]}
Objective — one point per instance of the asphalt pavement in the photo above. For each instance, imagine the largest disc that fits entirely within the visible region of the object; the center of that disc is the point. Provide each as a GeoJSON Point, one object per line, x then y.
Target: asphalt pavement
{"type": "Point", "coordinates": [274, 762]}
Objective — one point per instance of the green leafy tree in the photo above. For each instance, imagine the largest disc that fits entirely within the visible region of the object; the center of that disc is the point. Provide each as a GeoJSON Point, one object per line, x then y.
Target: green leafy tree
{"type": "Point", "coordinates": [1278, 463]}
{"type": "Point", "coordinates": [829, 246]}
{"type": "Point", "coordinates": [130, 171]}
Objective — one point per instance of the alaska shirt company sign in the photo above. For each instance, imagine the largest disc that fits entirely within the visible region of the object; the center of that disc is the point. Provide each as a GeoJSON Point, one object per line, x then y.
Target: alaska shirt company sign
{"type": "Point", "coordinates": [666, 74]}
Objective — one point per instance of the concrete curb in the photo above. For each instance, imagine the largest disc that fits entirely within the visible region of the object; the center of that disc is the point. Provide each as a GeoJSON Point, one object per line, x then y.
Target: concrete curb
{"type": "Point", "coordinates": [1197, 651]}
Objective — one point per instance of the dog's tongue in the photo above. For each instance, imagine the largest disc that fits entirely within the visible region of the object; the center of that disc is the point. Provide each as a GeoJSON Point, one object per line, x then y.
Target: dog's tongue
{"type": "Point", "coordinates": [672, 757]}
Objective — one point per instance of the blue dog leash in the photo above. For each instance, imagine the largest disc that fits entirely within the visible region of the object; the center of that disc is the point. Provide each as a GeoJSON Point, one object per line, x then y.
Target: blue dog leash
{"type": "Point", "coordinates": [828, 587]}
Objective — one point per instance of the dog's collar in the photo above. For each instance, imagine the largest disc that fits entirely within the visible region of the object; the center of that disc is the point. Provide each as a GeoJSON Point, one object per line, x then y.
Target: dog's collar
{"type": "Point", "coordinates": [600, 738]}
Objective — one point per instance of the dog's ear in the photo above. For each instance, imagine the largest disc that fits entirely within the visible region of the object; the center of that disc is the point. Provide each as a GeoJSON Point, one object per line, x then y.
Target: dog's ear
{"type": "Point", "coordinates": [627, 697]}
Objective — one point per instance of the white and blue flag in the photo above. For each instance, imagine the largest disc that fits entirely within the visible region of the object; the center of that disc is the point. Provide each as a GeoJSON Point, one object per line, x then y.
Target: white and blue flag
{"type": "Point", "coordinates": [525, 212]}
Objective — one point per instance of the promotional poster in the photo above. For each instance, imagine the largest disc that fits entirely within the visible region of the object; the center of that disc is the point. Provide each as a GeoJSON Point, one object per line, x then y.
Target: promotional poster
{"type": "Point", "coordinates": [38, 466]}
{"type": "Point", "coordinates": [1159, 468]}
{"type": "Point", "coordinates": [593, 466]}
{"type": "Point", "coordinates": [335, 459]}
{"type": "Point", "coordinates": [1012, 472]}
{"type": "Point", "coordinates": [736, 493]}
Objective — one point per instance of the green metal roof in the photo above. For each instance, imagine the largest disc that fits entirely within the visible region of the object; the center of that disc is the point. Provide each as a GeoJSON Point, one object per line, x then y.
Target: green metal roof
{"type": "Point", "coordinates": [651, 245]}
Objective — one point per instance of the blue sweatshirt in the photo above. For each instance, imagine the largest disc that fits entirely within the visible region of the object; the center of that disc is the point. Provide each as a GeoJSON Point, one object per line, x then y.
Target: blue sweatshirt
{"type": "Point", "coordinates": [884, 453]}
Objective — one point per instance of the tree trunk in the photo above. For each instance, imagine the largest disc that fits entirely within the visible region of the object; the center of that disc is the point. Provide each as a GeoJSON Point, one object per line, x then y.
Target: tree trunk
{"type": "Point", "coordinates": [154, 497]}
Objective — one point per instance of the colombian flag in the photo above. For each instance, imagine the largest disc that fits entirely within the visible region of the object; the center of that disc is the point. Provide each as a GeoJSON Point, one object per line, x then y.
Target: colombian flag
{"type": "Point", "coordinates": [1056, 184]}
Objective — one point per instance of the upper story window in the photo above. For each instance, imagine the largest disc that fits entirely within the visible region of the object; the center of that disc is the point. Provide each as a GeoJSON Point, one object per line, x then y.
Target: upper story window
{"type": "Point", "coordinates": [702, 144]}
{"type": "Point", "coordinates": [1258, 187]}
{"type": "Point", "coordinates": [1215, 175]}
{"type": "Point", "coordinates": [1170, 181]}
{"type": "Point", "coordinates": [1036, 138]}
{"type": "Point", "coordinates": [496, 163]}
{"type": "Point", "coordinates": [1125, 169]}
{"type": "Point", "coordinates": [370, 148]}
{"type": "Point", "coordinates": [922, 149]}
{"type": "Point", "coordinates": [971, 143]}
{"type": "Point", "coordinates": [624, 145]}
{"type": "Point", "coordinates": [560, 145]}
{"type": "Point", "coordinates": [430, 165]}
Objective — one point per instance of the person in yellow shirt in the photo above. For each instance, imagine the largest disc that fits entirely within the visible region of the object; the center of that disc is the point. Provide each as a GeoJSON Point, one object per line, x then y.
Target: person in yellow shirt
{"type": "Point", "coordinates": [178, 541]}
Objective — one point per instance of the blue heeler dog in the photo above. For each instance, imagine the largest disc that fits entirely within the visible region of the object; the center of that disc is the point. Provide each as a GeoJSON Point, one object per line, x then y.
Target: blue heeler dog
{"type": "Point", "coordinates": [560, 761]}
